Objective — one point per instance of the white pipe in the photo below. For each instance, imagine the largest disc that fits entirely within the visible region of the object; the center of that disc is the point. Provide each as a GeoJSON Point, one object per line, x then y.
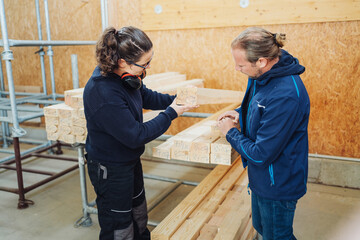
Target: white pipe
{"type": "Point", "coordinates": [75, 71]}
{"type": "Point", "coordinates": [41, 50]}
{"type": "Point", "coordinates": [34, 43]}
{"type": "Point", "coordinates": [50, 52]}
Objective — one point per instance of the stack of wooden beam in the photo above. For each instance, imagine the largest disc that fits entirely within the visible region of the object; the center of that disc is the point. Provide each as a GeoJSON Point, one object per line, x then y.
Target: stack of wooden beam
{"type": "Point", "coordinates": [218, 208]}
{"type": "Point", "coordinates": [169, 82]}
{"type": "Point", "coordinates": [66, 121]}
{"type": "Point", "coordinates": [201, 142]}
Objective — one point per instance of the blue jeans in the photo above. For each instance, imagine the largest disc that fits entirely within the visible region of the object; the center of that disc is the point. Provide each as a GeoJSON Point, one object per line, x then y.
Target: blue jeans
{"type": "Point", "coordinates": [273, 219]}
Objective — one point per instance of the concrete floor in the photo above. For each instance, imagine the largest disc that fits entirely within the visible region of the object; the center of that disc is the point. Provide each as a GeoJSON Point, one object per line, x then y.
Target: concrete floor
{"type": "Point", "coordinates": [325, 212]}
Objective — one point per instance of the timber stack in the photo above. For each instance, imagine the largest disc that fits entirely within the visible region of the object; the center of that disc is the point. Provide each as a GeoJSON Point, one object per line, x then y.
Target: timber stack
{"type": "Point", "coordinates": [66, 121]}
{"type": "Point", "coordinates": [218, 208]}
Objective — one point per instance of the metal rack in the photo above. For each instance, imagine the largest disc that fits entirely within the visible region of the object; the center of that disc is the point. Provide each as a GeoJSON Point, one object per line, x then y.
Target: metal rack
{"type": "Point", "coordinates": [18, 102]}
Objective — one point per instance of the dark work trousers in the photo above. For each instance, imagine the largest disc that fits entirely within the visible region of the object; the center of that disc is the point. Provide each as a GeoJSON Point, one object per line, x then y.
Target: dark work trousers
{"type": "Point", "coordinates": [120, 200]}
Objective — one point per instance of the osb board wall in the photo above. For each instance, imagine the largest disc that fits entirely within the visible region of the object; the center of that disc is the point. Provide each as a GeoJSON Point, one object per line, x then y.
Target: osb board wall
{"type": "Point", "coordinates": [190, 14]}
{"type": "Point", "coordinates": [331, 76]}
{"type": "Point", "coordinates": [69, 20]}
{"type": "Point", "coordinates": [328, 50]}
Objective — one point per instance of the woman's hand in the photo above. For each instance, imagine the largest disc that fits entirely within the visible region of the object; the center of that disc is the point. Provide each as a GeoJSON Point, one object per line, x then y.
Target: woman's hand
{"type": "Point", "coordinates": [180, 109]}
{"type": "Point", "coordinates": [227, 123]}
{"type": "Point", "coordinates": [234, 115]}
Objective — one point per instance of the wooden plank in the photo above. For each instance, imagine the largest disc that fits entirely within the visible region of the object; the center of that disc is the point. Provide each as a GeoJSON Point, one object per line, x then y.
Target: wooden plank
{"type": "Point", "coordinates": [247, 233]}
{"type": "Point", "coordinates": [164, 81]}
{"type": "Point", "coordinates": [164, 150]}
{"type": "Point", "coordinates": [191, 95]}
{"type": "Point", "coordinates": [51, 111]}
{"type": "Point", "coordinates": [26, 89]}
{"type": "Point", "coordinates": [153, 77]}
{"type": "Point", "coordinates": [171, 89]}
{"type": "Point", "coordinates": [218, 96]}
{"type": "Point", "coordinates": [189, 14]}
{"type": "Point", "coordinates": [208, 232]}
{"type": "Point", "coordinates": [72, 92]}
{"type": "Point", "coordinates": [173, 221]}
{"type": "Point", "coordinates": [235, 221]}
{"type": "Point", "coordinates": [222, 152]}
{"type": "Point", "coordinates": [200, 149]}
{"type": "Point", "coordinates": [76, 101]}
{"type": "Point", "coordinates": [190, 229]}
{"type": "Point", "coordinates": [186, 96]}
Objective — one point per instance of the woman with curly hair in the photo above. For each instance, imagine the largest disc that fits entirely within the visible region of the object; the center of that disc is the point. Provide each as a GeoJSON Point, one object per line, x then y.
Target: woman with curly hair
{"type": "Point", "coordinates": [114, 98]}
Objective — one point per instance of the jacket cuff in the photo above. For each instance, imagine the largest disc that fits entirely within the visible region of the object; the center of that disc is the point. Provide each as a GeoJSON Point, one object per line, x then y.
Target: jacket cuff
{"type": "Point", "coordinates": [171, 112]}
{"type": "Point", "coordinates": [230, 134]}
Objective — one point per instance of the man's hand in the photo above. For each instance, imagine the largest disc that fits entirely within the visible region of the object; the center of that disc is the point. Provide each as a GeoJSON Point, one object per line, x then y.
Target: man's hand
{"type": "Point", "coordinates": [180, 109]}
{"type": "Point", "coordinates": [234, 115]}
{"type": "Point", "coordinates": [227, 123]}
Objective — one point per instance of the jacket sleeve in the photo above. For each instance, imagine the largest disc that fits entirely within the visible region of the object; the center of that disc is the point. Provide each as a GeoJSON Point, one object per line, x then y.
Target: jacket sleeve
{"type": "Point", "coordinates": [277, 125]}
{"type": "Point", "coordinates": [154, 100]}
{"type": "Point", "coordinates": [117, 120]}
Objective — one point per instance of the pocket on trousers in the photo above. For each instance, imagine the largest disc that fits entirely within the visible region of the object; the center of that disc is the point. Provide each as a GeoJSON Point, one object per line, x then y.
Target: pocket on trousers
{"type": "Point", "coordinates": [291, 205]}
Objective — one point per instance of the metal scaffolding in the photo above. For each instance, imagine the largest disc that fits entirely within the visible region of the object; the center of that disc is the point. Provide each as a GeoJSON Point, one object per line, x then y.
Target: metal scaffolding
{"type": "Point", "coordinates": [16, 102]}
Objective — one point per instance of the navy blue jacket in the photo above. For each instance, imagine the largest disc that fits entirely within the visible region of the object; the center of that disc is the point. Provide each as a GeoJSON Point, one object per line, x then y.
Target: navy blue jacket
{"type": "Point", "coordinates": [116, 132]}
{"type": "Point", "coordinates": [273, 141]}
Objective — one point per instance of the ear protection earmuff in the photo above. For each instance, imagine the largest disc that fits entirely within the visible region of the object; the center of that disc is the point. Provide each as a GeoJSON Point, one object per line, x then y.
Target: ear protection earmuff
{"type": "Point", "coordinates": [131, 81]}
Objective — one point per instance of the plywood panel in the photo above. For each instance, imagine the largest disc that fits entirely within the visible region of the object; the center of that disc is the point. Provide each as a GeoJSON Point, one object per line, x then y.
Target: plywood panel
{"type": "Point", "coordinates": [190, 14]}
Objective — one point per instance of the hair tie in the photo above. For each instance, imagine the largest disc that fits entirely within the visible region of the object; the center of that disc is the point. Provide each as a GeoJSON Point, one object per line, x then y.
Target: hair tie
{"type": "Point", "coordinates": [275, 41]}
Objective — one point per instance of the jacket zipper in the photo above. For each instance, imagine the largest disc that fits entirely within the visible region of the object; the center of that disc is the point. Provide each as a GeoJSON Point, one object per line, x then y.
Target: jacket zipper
{"type": "Point", "coordinates": [248, 112]}
{"type": "Point", "coordinates": [271, 171]}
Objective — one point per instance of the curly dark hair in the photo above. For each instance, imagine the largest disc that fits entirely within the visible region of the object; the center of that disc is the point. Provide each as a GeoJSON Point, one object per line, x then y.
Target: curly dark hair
{"type": "Point", "coordinates": [128, 43]}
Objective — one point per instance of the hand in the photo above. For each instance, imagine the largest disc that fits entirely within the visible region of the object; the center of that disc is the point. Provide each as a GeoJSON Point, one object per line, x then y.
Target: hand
{"type": "Point", "coordinates": [180, 109]}
{"type": "Point", "coordinates": [234, 115]}
{"type": "Point", "coordinates": [225, 124]}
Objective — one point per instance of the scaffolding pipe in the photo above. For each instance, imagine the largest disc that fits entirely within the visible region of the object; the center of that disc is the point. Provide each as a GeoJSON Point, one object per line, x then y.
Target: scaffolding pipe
{"type": "Point", "coordinates": [7, 56]}
{"type": "Point", "coordinates": [196, 115]}
{"type": "Point", "coordinates": [2, 160]}
{"type": "Point", "coordinates": [75, 71]}
{"type": "Point", "coordinates": [173, 180]}
{"type": "Point", "coordinates": [41, 50]}
{"type": "Point", "coordinates": [36, 43]}
{"type": "Point", "coordinates": [159, 198]}
{"type": "Point", "coordinates": [104, 22]}
{"type": "Point", "coordinates": [29, 117]}
{"type": "Point", "coordinates": [334, 157]}
{"type": "Point", "coordinates": [4, 125]}
{"type": "Point", "coordinates": [87, 209]}
{"type": "Point", "coordinates": [50, 52]}
{"type": "Point", "coordinates": [22, 109]}
{"type": "Point", "coordinates": [5, 93]}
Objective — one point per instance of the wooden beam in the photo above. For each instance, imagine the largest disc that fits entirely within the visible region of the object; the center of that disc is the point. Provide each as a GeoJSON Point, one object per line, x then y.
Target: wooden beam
{"type": "Point", "coordinates": [191, 95]}
{"type": "Point", "coordinates": [189, 14]}
{"type": "Point", "coordinates": [164, 150]}
{"type": "Point", "coordinates": [170, 224]}
{"type": "Point", "coordinates": [171, 89]}
{"type": "Point", "coordinates": [190, 229]}
{"type": "Point", "coordinates": [165, 81]}
{"type": "Point", "coordinates": [154, 77]}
